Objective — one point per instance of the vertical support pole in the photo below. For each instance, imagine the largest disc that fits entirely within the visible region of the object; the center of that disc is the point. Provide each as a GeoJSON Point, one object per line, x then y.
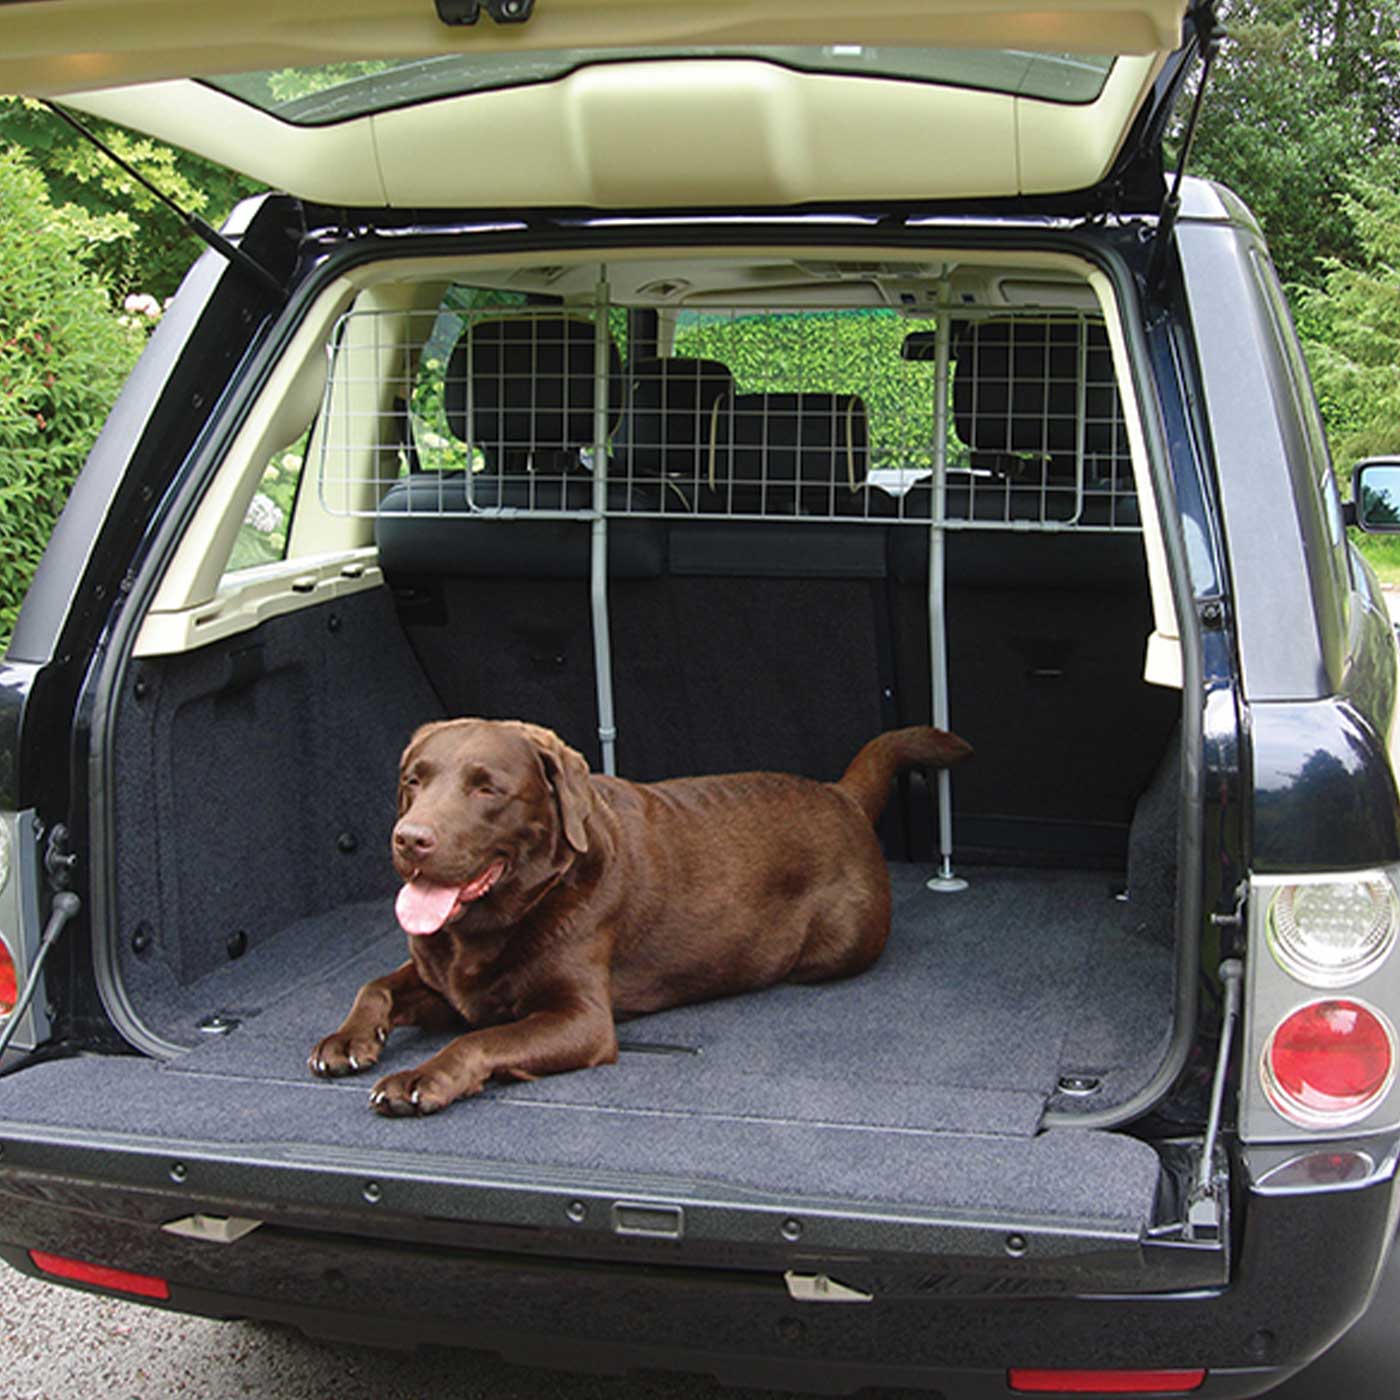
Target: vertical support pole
{"type": "Point", "coordinates": [598, 544]}
{"type": "Point", "coordinates": [945, 882]}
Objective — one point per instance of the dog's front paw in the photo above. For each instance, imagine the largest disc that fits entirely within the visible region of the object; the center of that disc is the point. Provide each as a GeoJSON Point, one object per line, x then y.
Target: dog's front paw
{"type": "Point", "coordinates": [416, 1092]}
{"type": "Point", "coordinates": [346, 1053]}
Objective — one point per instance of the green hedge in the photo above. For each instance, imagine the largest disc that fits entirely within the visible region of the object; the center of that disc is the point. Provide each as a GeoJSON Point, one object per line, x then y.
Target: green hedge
{"type": "Point", "coordinates": [64, 354]}
{"type": "Point", "coordinates": [824, 352]}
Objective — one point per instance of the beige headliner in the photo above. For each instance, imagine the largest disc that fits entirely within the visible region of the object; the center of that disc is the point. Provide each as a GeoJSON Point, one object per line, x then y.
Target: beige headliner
{"type": "Point", "coordinates": [56, 46]}
{"type": "Point", "coordinates": [660, 134]}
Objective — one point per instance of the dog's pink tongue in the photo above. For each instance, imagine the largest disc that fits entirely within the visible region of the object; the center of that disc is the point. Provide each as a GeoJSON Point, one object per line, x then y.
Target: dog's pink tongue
{"type": "Point", "coordinates": [423, 907]}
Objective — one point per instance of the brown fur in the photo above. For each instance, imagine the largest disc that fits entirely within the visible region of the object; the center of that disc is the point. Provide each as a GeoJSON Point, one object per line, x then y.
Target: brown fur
{"type": "Point", "coordinates": [617, 899]}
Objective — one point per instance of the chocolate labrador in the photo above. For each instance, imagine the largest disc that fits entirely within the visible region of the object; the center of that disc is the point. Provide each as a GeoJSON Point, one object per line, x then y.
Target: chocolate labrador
{"type": "Point", "coordinates": [543, 902]}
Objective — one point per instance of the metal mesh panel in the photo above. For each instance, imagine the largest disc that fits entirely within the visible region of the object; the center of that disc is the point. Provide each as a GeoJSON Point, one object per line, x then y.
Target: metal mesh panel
{"type": "Point", "coordinates": [819, 414]}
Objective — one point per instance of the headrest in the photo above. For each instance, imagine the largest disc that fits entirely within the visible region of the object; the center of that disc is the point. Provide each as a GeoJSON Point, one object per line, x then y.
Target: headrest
{"type": "Point", "coordinates": [531, 389]}
{"type": "Point", "coordinates": [1016, 391]}
{"type": "Point", "coordinates": [668, 426]}
{"type": "Point", "coordinates": [816, 439]}
{"type": "Point", "coordinates": [677, 384]}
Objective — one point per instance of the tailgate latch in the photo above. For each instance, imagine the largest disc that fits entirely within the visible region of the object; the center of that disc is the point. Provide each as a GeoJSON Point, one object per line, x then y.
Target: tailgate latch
{"type": "Point", "coordinates": [455, 12]}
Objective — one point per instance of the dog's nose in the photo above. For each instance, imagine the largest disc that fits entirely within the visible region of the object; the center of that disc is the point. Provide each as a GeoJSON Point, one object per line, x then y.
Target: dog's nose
{"type": "Point", "coordinates": [415, 840]}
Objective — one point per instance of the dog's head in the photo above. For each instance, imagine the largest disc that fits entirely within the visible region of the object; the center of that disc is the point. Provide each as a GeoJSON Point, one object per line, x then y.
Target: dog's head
{"type": "Point", "coordinates": [490, 811]}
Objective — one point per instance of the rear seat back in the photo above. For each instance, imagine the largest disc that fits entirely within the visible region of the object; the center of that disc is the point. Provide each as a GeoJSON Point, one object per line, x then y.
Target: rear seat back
{"type": "Point", "coordinates": [521, 389]}
{"type": "Point", "coordinates": [668, 427]}
{"type": "Point", "coordinates": [783, 643]}
{"type": "Point", "coordinates": [495, 607]}
{"type": "Point", "coordinates": [788, 454]}
{"type": "Point", "coordinates": [1055, 623]}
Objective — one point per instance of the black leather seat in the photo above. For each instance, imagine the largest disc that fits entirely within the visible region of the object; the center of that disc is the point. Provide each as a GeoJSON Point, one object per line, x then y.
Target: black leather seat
{"type": "Point", "coordinates": [520, 389]}
{"type": "Point", "coordinates": [667, 428]}
{"type": "Point", "coordinates": [788, 454]}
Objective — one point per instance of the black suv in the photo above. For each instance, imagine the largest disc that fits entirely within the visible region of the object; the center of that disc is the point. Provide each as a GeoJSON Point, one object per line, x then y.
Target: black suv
{"type": "Point", "coordinates": [716, 395]}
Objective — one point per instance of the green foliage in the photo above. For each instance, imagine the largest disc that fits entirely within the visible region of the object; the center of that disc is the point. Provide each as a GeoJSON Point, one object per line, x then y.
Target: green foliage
{"type": "Point", "coordinates": [821, 352]}
{"type": "Point", "coordinates": [1382, 552]}
{"type": "Point", "coordinates": [64, 354]}
{"type": "Point", "coordinates": [136, 244]}
{"type": "Point", "coordinates": [262, 537]}
{"type": "Point", "coordinates": [288, 84]}
{"type": "Point", "coordinates": [1351, 331]}
{"type": "Point", "coordinates": [1304, 96]}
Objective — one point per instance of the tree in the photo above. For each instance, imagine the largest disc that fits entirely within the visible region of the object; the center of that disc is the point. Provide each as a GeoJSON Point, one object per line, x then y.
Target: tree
{"type": "Point", "coordinates": [1304, 96]}
{"type": "Point", "coordinates": [64, 353]}
{"type": "Point", "coordinates": [1351, 330]}
{"type": "Point", "coordinates": [149, 250]}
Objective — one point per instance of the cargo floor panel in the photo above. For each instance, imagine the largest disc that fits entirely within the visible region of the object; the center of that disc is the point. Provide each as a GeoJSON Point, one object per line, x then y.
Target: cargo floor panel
{"type": "Point", "coordinates": [961, 1026]}
{"type": "Point", "coordinates": [921, 1083]}
{"type": "Point", "coordinates": [1068, 1178]}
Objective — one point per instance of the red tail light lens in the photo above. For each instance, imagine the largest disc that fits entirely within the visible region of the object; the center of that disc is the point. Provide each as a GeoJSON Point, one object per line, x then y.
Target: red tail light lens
{"type": "Point", "coordinates": [1329, 1063]}
{"type": "Point", "coordinates": [99, 1276]}
{"type": "Point", "coordinates": [1028, 1382]}
{"type": "Point", "coordinates": [9, 982]}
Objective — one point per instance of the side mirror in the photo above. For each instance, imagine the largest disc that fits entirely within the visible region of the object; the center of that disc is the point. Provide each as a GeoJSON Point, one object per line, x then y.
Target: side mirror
{"type": "Point", "coordinates": [1375, 493]}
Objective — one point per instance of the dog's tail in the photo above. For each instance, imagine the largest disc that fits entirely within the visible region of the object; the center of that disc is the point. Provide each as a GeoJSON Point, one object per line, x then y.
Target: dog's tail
{"type": "Point", "coordinates": [868, 778]}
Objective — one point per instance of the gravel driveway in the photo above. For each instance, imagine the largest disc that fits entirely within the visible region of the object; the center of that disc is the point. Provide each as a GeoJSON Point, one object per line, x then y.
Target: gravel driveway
{"type": "Point", "coordinates": [58, 1344]}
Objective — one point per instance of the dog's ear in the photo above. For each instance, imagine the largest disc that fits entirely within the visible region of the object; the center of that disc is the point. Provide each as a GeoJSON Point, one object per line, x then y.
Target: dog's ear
{"type": "Point", "coordinates": [567, 771]}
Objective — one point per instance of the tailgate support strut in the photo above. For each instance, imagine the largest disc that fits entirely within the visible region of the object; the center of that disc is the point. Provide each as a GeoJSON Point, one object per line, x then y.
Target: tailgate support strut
{"type": "Point", "coordinates": [197, 226]}
{"type": "Point", "coordinates": [1207, 39]}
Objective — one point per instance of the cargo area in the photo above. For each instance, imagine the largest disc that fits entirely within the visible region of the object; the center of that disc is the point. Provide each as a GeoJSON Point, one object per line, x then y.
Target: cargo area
{"type": "Point", "coordinates": [777, 568]}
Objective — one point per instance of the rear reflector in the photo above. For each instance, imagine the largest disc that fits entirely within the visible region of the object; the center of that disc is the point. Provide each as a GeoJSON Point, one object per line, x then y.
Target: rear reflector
{"type": "Point", "coordinates": [1028, 1382]}
{"type": "Point", "coordinates": [117, 1280]}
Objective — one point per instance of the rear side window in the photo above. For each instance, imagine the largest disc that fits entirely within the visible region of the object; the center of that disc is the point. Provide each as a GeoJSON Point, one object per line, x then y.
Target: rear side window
{"type": "Point", "coordinates": [1322, 499]}
{"type": "Point", "coordinates": [262, 537]}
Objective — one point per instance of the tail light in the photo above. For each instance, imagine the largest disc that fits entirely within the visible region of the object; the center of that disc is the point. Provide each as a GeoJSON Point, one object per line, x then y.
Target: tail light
{"type": "Point", "coordinates": [9, 980]}
{"type": "Point", "coordinates": [1329, 1063]}
{"type": "Point", "coordinates": [1331, 933]}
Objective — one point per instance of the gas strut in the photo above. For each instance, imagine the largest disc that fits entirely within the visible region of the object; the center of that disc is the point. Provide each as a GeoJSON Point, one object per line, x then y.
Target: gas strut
{"type": "Point", "coordinates": [197, 226]}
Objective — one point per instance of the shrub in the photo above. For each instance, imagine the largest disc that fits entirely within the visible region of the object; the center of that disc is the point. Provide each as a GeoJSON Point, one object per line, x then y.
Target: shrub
{"type": "Point", "coordinates": [63, 357]}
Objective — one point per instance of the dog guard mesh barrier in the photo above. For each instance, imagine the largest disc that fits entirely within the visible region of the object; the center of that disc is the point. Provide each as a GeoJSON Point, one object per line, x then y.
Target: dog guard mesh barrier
{"type": "Point", "coordinates": [956, 418]}
{"type": "Point", "coordinates": [822, 414]}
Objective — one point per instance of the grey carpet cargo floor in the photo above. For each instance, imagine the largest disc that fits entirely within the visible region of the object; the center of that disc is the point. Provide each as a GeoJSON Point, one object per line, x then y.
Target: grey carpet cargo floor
{"type": "Point", "coordinates": [921, 1082]}
{"type": "Point", "coordinates": [964, 1024]}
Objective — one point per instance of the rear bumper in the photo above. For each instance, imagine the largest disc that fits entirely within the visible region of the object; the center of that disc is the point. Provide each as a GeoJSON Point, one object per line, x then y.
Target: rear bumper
{"type": "Point", "coordinates": [1304, 1271]}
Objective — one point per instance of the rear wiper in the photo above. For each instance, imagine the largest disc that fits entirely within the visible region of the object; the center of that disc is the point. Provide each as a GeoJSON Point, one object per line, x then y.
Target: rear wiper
{"type": "Point", "coordinates": [197, 226]}
{"type": "Point", "coordinates": [1208, 37]}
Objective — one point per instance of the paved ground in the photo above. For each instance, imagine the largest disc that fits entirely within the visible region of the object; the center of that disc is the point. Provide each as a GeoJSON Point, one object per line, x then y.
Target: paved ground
{"type": "Point", "coordinates": [57, 1344]}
